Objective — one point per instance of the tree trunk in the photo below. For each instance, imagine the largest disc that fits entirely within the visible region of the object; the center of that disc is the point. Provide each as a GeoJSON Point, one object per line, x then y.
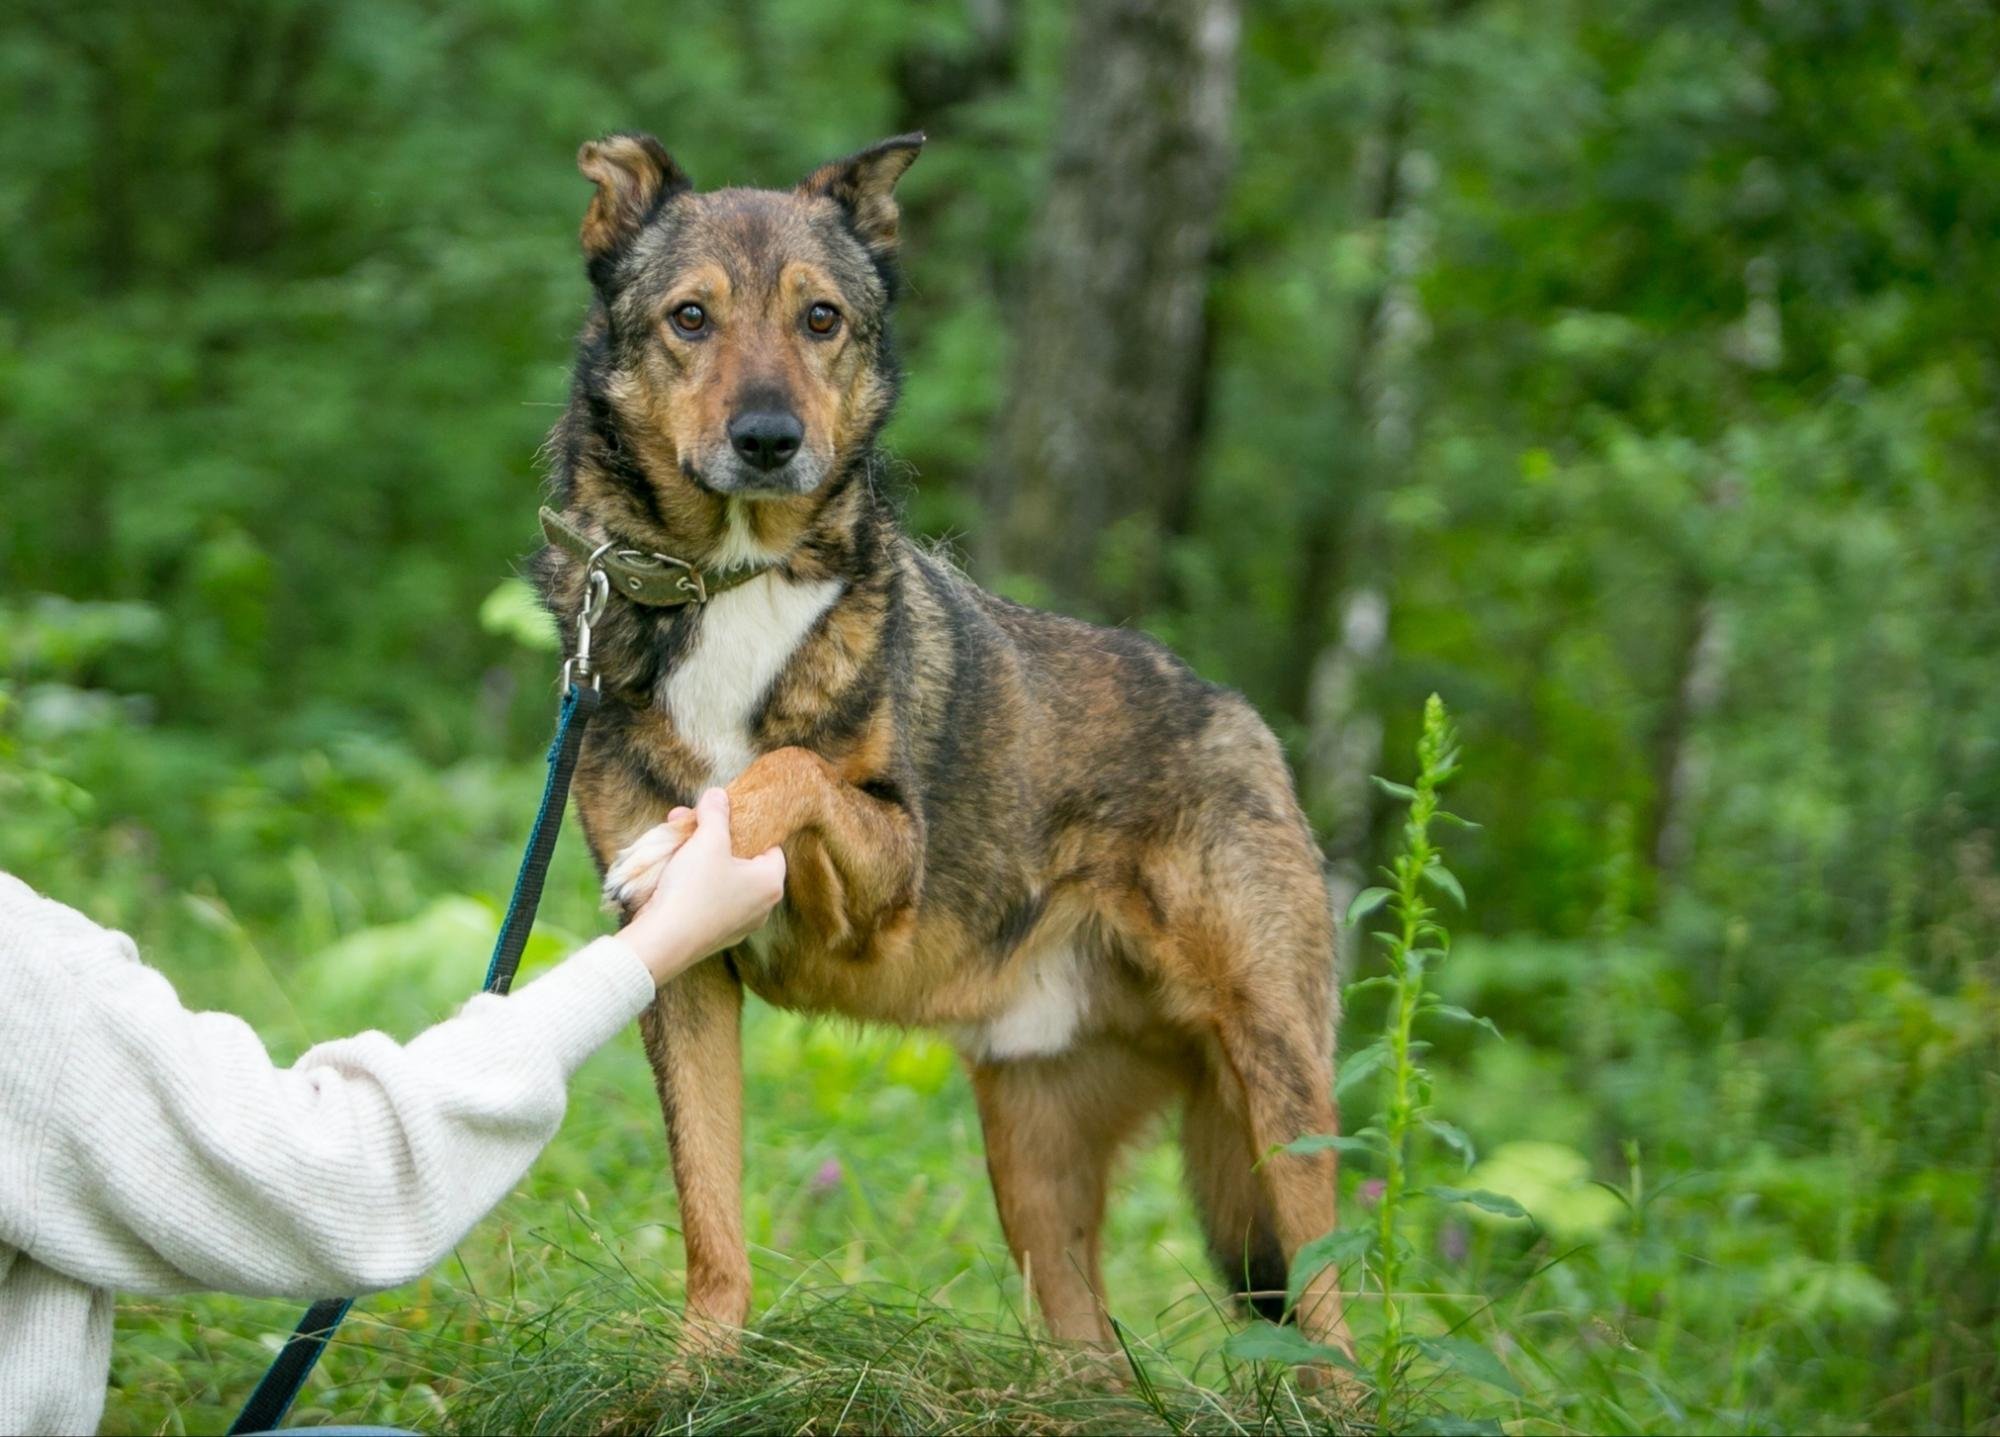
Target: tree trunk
{"type": "Point", "coordinates": [1678, 770]}
{"type": "Point", "coordinates": [1343, 559]}
{"type": "Point", "coordinates": [933, 80]}
{"type": "Point", "coordinates": [1344, 747]}
{"type": "Point", "coordinates": [1335, 508]}
{"type": "Point", "coordinates": [264, 67]}
{"type": "Point", "coordinates": [1098, 437]}
{"type": "Point", "coordinates": [104, 50]}
{"type": "Point", "coordinates": [1699, 674]}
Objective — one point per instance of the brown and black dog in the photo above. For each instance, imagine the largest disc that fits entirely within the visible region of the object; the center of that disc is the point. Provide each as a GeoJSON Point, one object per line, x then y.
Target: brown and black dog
{"type": "Point", "coordinates": [1051, 841]}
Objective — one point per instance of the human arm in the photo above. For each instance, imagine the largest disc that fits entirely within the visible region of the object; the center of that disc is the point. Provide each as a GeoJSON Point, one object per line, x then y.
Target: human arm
{"type": "Point", "coordinates": [158, 1149]}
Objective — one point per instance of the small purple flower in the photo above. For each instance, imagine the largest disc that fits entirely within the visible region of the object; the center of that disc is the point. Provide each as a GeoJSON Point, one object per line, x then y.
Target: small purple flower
{"type": "Point", "coordinates": [827, 1178]}
{"type": "Point", "coordinates": [1453, 1243]}
{"type": "Point", "coordinates": [1371, 1192]}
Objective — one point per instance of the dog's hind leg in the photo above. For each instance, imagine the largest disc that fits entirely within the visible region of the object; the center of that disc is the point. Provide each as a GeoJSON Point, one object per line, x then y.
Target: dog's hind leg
{"type": "Point", "coordinates": [1053, 1127]}
{"type": "Point", "coordinates": [1280, 1079]}
{"type": "Point", "coordinates": [1217, 1164]}
{"type": "Point", "coordinates": [1244, 944]}
{"type": "Point", "coordinates": [1273, 1065]}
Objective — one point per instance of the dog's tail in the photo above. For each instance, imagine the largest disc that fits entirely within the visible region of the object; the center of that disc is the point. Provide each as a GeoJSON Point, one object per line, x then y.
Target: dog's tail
{"type": "Point", "coordinates": [1234, 1214]}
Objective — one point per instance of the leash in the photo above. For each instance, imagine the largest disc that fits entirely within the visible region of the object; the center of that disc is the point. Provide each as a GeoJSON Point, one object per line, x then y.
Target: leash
{"type": "Point", "coordinates": [289, 1370]}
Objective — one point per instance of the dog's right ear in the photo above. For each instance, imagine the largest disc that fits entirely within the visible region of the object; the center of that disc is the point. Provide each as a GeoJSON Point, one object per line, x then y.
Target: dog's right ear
{"type": "Point", "coordinates": [634, 176]}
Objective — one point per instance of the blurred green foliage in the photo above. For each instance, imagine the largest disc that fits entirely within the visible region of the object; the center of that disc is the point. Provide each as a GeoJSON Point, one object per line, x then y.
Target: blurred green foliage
{"type": "Point", "coordinates": [1676, 480]}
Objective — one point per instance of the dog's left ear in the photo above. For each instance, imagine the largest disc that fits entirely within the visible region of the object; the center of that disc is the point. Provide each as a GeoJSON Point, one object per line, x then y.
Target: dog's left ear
{"type": "Point", "coordinates": [864, 186]}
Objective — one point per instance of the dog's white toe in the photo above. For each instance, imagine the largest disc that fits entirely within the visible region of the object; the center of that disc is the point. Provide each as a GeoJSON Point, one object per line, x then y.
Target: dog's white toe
{"type": "Point", "coordinates": [635, 873]}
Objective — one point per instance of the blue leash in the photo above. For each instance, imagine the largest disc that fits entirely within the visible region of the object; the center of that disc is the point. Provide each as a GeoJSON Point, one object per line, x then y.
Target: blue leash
{"type": "Point", "coordinates": [294, 1363]}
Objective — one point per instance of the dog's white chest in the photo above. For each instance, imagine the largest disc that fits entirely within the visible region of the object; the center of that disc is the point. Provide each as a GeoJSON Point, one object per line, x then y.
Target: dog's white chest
{"type": "Point", "coordinates": [745, 639]}
{"type": "Point", "coordinates": [1043, 1018]}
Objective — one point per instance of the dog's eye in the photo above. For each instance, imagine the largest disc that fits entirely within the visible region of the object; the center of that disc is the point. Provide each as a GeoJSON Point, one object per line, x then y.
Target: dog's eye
{"type": "Point", "coordinates": [690, 319]}
{"type": "Point", "coordinates": [822, 319]}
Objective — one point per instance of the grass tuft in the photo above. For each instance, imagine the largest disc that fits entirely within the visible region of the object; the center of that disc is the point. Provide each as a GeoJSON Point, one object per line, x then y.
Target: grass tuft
{"type": "Point", "coordinates": [850, 1359]}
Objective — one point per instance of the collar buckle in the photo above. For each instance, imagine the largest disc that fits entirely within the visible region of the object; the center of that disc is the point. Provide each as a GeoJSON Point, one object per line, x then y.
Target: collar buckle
{"type": "Point", "coordinates": [690, 581]}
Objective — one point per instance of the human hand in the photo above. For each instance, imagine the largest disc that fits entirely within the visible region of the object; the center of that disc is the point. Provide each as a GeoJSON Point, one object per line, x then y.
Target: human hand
{"type": "Point", "coordinates": [692, 896]}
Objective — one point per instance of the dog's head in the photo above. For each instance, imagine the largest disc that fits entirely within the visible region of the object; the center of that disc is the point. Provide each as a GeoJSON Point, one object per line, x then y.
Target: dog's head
{"type": "Point", "coordinates": [742, 347]}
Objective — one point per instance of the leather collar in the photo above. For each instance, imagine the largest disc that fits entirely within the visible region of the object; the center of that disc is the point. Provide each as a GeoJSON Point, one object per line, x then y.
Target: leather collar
{"type": "Point", "coordinates": [659, 581]}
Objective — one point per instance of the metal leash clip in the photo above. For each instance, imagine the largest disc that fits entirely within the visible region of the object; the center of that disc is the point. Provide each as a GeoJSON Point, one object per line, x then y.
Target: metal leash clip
{"type": "Point", "coordinates": [598, 593]}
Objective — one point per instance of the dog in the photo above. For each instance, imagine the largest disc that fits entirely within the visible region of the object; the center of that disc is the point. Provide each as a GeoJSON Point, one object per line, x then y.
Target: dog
{"type": "Point", "coordinates": [1051, 841]}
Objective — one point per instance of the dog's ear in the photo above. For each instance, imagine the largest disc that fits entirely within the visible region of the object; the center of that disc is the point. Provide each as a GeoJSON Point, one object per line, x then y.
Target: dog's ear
{"type": "Point", "coordinates": [864, 186]}
{"type": "Point", "coordinates": [634, 176]}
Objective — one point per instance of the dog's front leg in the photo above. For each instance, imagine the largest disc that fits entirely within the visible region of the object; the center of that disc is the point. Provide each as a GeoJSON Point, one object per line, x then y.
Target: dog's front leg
{"type": "Point", "coordinates": [694, 1038]}
{"type": "Point", "coordinates": [872, 843]}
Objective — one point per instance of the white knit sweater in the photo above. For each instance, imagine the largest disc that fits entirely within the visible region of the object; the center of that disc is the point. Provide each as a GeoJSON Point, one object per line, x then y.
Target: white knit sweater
{"type": "Point", "coordinates": [150, 1149]}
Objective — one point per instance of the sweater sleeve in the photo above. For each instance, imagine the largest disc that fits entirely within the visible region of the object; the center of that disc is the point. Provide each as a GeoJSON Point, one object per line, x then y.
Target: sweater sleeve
{"type": "Point", "coordinates": [177, 1156]}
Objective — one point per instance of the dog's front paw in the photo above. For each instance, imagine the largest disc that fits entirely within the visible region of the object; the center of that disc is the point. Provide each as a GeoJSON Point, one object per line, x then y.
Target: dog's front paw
{"type": "Point", "coordinates": [635, 873]}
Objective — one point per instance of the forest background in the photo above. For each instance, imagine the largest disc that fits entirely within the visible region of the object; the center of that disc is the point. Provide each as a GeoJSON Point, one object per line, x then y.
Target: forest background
{"type": "Point", "coordinates": [1627, 373]}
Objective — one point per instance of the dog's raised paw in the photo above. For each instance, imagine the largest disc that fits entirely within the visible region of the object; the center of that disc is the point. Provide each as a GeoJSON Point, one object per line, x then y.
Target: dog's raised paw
{"type": "Point", "coordinates": [635, 873]}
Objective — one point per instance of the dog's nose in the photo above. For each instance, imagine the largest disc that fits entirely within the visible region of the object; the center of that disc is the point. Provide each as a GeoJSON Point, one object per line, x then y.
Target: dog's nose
{"type": "Point", "coordinates": [766, 438]}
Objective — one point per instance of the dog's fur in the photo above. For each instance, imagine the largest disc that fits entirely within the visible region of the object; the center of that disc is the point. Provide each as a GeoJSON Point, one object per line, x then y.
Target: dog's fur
{"type": "Point", "coordinates": [1049, 840]}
